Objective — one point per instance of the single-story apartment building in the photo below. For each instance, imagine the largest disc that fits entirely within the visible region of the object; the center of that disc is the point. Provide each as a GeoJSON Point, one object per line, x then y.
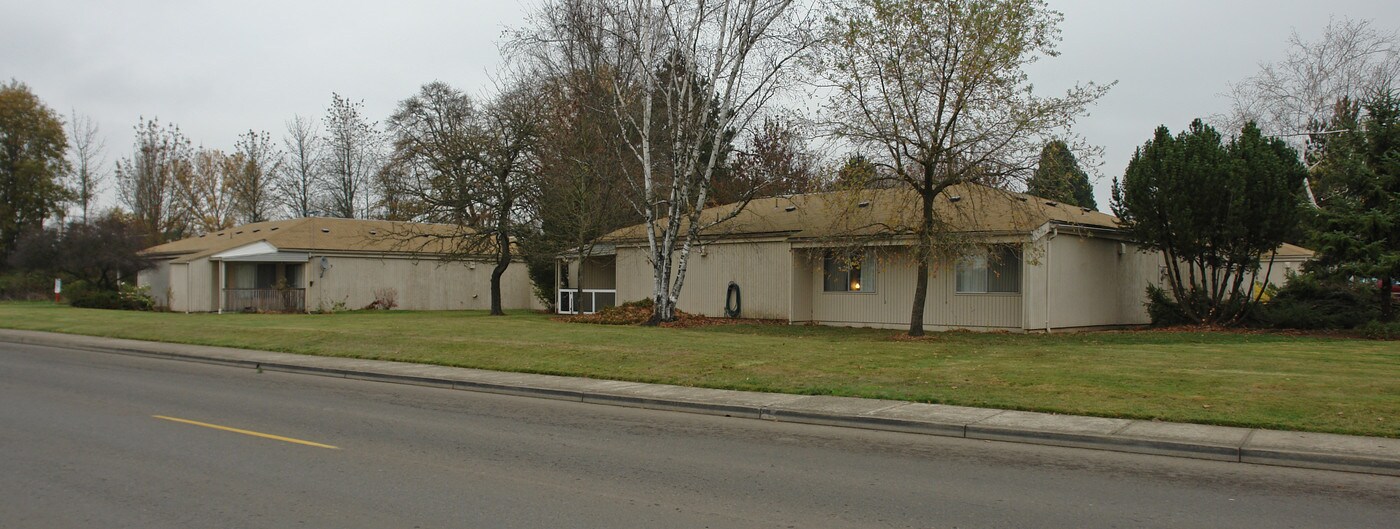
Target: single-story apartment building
{"type": "Point", "coordinates": [1025, 264]}
{"type": "Point", "coordinates": [319, 263]}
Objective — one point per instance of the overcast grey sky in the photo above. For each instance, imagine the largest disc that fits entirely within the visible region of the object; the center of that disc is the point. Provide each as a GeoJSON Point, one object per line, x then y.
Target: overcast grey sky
{"type": "Point", "coordinates": [219, 68]}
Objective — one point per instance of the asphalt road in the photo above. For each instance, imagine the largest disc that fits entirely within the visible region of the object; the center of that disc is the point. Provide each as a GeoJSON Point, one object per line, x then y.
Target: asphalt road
{"type": "Point", "coordinates": [101, 440]}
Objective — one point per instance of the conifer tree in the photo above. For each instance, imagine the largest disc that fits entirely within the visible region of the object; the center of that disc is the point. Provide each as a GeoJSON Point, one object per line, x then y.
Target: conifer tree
{"type": "Point", "coordinates": [1058, 177]}
{"type": "Point", "coordinates": [1213, 210]}
{"type": "Point", "coordinates": [1358, 185]}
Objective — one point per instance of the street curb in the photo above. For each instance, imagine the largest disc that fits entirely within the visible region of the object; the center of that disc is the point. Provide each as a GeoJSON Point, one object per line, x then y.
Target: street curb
{"type": "Point", "coordinates": [1376, 455]}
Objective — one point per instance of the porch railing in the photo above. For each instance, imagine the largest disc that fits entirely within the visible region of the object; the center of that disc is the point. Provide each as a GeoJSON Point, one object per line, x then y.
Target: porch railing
{"type": "Point", "coordinates": [589, 301]}
{"type": "Point", "coordinates": [265, 300]}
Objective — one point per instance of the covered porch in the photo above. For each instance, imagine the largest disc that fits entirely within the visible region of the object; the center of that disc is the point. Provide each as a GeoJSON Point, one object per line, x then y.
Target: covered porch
{"type": "Point", "coordinates": [586, 286]}
{"type": "Point", "coordinates": [261, 278]}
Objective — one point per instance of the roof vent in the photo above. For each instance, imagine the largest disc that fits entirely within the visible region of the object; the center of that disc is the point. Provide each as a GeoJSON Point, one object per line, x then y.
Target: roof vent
{"type": "Point", "coordinates": [864, 204]}
{"type": "Point", "coordinates": [790, 208]}
{"type": "Point", "coordinates": [239, 232]}
{"type": "Point", "coordinates": [955, 198]}
{"type": "Point", "coordinates": [257, 230]}
{"type": "Point", "coordinates": [1051, 203]}
{"type": "Point", "coordinates": [202, 235]}
{"type": "Point", "coordinates": [274, 228]}
{"type": "Point", "coordinates": [1023, 198]}
{"type": "Point", "coordinates": [374, 232]}
{"type": "Point", "coordinates": [1086, 210]}
{"type": "Point", "coordinates": [325, 230]}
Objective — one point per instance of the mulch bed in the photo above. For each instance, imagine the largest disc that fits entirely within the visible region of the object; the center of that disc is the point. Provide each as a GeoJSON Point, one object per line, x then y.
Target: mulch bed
{"type": "Point", "coordinates": [637, 314]}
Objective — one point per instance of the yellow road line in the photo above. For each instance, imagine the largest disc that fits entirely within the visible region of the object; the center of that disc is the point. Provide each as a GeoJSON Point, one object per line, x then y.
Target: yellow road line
{"type": "Point", "coordinates": [247, 432]}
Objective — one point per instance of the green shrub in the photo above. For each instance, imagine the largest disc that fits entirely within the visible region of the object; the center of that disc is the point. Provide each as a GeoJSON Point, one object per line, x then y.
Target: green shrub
{"type": "Point", "coordinates": [1307, 302]}
{"type": "Point", "coordinates": [26, 286]}
{"type": "Point", "coordinates": [1376, 330]}
{"type": "Point", "coordinates": [125, 298]}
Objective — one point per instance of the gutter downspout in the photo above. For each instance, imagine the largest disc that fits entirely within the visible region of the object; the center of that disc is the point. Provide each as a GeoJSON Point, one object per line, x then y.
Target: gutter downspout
{"type": "Point", "coordinates": [188, 291]}
{"type": "Point", "coordinates": [1048, 247]}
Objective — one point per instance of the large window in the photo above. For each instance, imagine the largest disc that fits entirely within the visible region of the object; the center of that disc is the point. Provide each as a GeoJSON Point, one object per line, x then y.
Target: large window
{"type": "Point", "coordinates": [997, 270]}
{"type": "Point", "coordinates": [840, 274]}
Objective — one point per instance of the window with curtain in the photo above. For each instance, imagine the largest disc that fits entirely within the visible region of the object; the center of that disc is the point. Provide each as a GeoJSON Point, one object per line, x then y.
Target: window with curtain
{"type": "Point", "coordinates": [996, 271]}
{"type": "Point", "coordinates": [842, 275]}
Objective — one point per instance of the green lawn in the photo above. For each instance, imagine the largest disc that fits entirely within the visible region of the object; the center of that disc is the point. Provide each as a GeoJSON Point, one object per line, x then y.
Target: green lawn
{"type": "Point", "coordinates": [1260, 380]}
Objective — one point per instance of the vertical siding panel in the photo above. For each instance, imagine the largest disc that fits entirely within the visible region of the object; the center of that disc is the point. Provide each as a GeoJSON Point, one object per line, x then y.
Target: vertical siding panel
{"type": "Point", "coordinates": [763, 271]}
{"type": "Point", "coordinates": [893, 299]}
{"type": "Point", "coordinates": [421, 284]}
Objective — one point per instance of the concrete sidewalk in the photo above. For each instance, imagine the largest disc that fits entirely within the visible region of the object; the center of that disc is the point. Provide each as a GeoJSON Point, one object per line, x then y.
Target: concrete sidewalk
{"type": "Point", "coordinates": [1374, 455]}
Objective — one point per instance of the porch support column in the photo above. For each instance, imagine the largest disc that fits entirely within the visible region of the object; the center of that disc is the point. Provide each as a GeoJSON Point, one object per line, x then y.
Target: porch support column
{"type": "Point", "coordinates": [222, 294]}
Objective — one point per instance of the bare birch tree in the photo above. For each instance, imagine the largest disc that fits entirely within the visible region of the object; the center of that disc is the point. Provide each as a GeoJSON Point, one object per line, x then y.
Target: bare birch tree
{"type": "Point", "coordinates": [87, 162]}
{"type": "Point", "coordinates": [1295, 96]}
{"type": "Point", "coordinates": [298, 180]}
{"type": "Point", "coordinates": [936, 94]}
{"type": "Point", "coordinates": [684, 75]}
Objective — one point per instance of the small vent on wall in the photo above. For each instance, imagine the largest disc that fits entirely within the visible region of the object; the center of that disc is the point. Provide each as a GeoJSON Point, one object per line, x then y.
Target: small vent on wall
{"type": "Point", "coordinates": [325, 230]}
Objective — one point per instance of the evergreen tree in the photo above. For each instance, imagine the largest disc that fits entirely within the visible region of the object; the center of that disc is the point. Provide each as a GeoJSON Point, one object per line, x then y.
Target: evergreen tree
{"type": "Point", "coordinates": [1358, 185]}
{"type": "Point", "coordinates": [1212, 210]}
{"type": "Point", "coordinates": [1058, 177]}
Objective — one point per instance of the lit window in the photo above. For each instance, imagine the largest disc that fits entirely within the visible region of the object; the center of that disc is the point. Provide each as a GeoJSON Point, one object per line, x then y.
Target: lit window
{"type": "Point", "coordinates": [842, 275]}
{"type": "Point", "coordinates": [996, 271]}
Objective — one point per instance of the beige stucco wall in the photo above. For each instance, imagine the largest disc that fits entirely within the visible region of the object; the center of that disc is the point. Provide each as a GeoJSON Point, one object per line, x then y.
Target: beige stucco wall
{"type": "Point", "coordinates": [890, 305]}
{"type": "Point", "coordinates": [420, 284]}
{"type": "Point", "coordinates": [763, 271]}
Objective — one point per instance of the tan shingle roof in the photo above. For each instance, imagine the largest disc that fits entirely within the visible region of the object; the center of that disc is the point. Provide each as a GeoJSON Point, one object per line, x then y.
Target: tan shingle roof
{"type": "Point", "coordinates": [317, 234]}
{"type": "Point", "coordinates": [965, 208]}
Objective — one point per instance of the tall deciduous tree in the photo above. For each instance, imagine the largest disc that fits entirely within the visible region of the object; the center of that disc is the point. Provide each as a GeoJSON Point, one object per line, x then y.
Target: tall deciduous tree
{"type": "Point", "coordinates": [936, 93]}
{"type": "Point", "coordinates": [471, 165]}
{"type": "Point", "coordinates": [298, 182]}
{"type": "Point", "coordinates": [1289, 98]}
{"type": "Point", "coordinates": [1058, 177]}
{"type": "Point", "coordinates": [351, 158]}
{"type": "Point", "coordinates": [147, 179]}
{"type": "Point", "coordinates": [87, 163]}
{"type": "Point", "coordinates": [204, 190]}
{"type": "Point", "coordinates": [32, 149]}
{"type": "Point", "coordinates": [774, 161]}
{"type": "Point", "coordinates": [1212, 210]}
{"type": "Point", "coordinates": [257, 164]}
{"type": "Point", "coordinates": [581, 152]}
{"type": "Point", "coordinates": [684, 76]}
{"type": "Point", "coordinates": [1357, 179]}
{"type": "Point", "coordinates": [99, 253]}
